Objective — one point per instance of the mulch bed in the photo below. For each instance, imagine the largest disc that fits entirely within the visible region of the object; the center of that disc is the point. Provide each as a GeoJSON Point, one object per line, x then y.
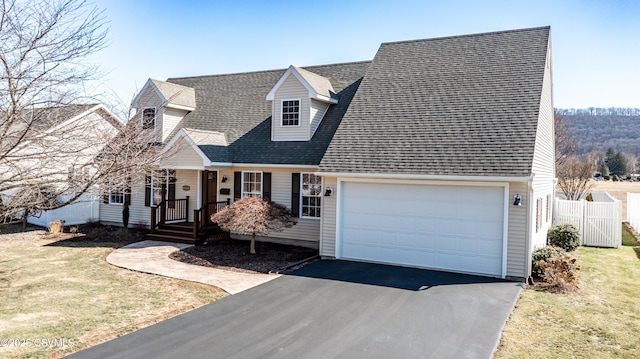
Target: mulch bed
{"type": "Point", "coordinates": [230, 254]}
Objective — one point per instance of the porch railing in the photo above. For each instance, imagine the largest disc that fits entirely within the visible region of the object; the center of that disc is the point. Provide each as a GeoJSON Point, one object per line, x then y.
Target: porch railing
{"type": "Point", "coordinates": [202, 216]}
{"type": "Point", "coordinates": [171, 210]}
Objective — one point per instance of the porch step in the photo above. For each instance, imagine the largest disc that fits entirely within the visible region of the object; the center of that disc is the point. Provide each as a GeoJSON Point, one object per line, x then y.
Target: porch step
{"type": "Point", "coordinates": [158, 236]}
{"type": "Point", "coordinates": [183, 233]}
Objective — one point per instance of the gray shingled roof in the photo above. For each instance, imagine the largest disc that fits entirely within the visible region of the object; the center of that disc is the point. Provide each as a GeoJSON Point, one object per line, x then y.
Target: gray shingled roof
{"type": "Point", "coordinates": [465, 105]}
{"type": "Point", "coordinates": [212, 143]}
{"type": "Point", "coordinates": [235, 105]}
{"type": "Point", "coordinates": [320, 84]}
{"type": "Point", "coordinates": [176, 94]}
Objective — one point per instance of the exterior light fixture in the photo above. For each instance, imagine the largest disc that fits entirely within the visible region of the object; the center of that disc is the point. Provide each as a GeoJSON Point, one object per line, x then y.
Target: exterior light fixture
{"type": "Point", "coordinates": [328, 192]}
{"type": "Point", "coordinates": [224, 179]}
{"type": "Point", "coordinates": [517, 200]}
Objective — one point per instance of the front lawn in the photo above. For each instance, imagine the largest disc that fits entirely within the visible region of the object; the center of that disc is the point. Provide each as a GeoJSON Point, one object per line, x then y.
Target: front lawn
{"type": "Point", "coordinates": [601, 320]}
{"type": "Point", "coordinates": [63, 291]}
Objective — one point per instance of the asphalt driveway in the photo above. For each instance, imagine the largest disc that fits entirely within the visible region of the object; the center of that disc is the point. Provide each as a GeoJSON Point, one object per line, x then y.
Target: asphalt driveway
{"type": "Point", "coordinates": [331, 309]}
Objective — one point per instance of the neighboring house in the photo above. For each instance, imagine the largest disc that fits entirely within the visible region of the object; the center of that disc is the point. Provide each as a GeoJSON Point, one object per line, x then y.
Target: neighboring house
{"type": "Point", "coordinates": [60, 150]}
{"type": "Point", "coordinates": [438, 153]}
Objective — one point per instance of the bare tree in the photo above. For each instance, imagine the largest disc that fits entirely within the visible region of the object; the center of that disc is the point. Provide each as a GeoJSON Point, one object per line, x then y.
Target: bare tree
{"type": "Point", "coordinates": [574, 177]}
{"type": "Point", "coordinates": [565, 144]}
{"type": "Point", "coordinates": [253, 215]}
{"type": "Point", "coordinates": [46, 161]}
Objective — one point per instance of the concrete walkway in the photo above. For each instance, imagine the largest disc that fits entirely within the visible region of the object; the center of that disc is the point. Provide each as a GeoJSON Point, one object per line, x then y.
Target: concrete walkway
{"type": "Point", "coordinates": [153, 257]}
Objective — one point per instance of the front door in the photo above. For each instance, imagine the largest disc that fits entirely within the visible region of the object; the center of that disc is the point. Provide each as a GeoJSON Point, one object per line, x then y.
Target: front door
{"type": "Point", "coordinates": [209, 193]}
{"type": "Point", "coordinates": [212, 187]}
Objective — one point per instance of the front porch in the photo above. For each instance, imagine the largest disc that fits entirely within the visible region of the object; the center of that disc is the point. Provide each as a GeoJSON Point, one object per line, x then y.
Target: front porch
{"type": "Point", "coordinates": [169, 221]}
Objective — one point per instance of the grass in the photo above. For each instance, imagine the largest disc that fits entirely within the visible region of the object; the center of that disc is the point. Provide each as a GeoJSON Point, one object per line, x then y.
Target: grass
{"type": "Point", "coordinates": [601, 320]}
{"type": "Point", "coordinates": [57, 289]}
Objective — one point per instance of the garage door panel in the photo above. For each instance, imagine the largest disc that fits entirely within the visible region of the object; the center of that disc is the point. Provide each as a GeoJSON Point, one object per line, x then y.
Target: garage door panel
{"type": "Point", "coordinates": [458, 228]}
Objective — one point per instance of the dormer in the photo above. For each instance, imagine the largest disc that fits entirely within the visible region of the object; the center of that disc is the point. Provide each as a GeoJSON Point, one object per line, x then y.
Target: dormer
{"type": "Point", "coordinates": [299, 101]}
{"type": "Point", "coordinates": [161, 105]}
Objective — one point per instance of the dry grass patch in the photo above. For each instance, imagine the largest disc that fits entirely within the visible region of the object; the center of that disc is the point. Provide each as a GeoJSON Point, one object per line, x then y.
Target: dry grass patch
{"type": "Point", "coordinates": [56, 288]}
{"type": "Point", "coordinates": [618, 190]}
{"type": "Point", "coordinates": [601, 320]}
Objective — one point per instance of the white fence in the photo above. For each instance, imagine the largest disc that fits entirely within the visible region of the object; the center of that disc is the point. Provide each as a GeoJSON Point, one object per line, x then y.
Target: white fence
{"type": "Point", "coordinates": [633, 210]}
{"type": "Point", "coordinates": [599, 223]}
{"type": "Point", "coordinates": [85, 209]}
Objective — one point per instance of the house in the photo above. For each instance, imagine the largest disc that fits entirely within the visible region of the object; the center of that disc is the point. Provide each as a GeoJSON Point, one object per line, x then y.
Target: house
{"type": "Point", "coordinates": [49, 152]}
{"type": "Point", "coordinates": [438, 153]}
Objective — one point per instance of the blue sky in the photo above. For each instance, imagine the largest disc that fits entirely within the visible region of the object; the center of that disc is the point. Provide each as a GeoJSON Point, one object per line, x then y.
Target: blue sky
{"type": "Point", "coordinates": [596, 44]}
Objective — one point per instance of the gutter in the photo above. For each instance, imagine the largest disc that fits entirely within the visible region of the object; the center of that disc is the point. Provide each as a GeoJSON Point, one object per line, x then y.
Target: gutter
{"type": "Point", "coordinates": [528, 179]}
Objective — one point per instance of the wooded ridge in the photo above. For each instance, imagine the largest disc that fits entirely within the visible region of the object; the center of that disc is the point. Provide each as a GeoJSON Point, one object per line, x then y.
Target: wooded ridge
{"type": "Point", "coordinates": [597, 129]}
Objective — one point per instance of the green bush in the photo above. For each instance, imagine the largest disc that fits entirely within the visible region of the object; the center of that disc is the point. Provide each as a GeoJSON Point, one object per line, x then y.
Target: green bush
{"type": "Point", "coordinates": [565, 236]}
{"type": "Point", "coordinates": [542, 255]}
{"type": "Point", "coordinates": [615, 178]}
{"type": "Point", "coordinates": [606, 177]}
{"type": "Point", "coordinates": [589, 198]}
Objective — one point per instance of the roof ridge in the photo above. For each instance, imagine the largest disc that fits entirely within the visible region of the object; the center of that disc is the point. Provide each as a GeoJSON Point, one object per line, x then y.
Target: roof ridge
{"type": "Point", "coordinates": [466, 35]}
{"type": "Point", "coordinates": [266, 71]}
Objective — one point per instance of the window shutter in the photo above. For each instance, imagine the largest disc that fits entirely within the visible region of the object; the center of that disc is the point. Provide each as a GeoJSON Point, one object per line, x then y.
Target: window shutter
{"type": "Point", "coordinates": [172, 195]}
{"type": "Point", "coordinates": [266, 186]}
{"type": "Point", "coordinates": [127, 192]}
{"type": "Point", "coordinates": [237, 186]}
{"type": "Point", "coordinates": [105, 195]}
{"type": "Point", "coordinates": [147, 191]}
{"type": "Point", "coordinates": [295, 194]}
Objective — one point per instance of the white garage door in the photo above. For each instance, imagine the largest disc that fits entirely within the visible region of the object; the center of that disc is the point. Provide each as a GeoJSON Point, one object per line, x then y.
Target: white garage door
{"type": "Point", "coordinates": [457, 228]}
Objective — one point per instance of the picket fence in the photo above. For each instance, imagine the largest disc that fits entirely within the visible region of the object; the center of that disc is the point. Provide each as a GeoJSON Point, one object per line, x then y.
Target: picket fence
{"type": "Point", "coordinates": [633, 210]}
{"type": "Point", "coordinates": [599, 222]}
{"type": "Point", "coordinates": [85, 209]}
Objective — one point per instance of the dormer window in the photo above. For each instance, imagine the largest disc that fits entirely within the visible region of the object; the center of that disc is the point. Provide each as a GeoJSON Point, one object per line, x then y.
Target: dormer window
{"type": "Point", "coordinates": [291, 112]}
{"type": "Point", "coordinates": [149, 118]}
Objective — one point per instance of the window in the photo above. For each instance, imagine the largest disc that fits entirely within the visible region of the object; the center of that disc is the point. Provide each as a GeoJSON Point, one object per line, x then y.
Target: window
{"type": "Point", "coordinates": [149, 118]}
{"type": "Point", "coordinates": [116, 193]}
{"type": "Point", "coordinates": [290, 112]}
{"type": "Point", "coordinates": [538, 214]}
{"type": "Point", "coordinates": [251, 184]}
{"type": "Point", "coordinates": [160, 185]}
{"type": "Point", "coordinates": [549, 202]}
{"type": "Point", "coordinates": [310, 195]}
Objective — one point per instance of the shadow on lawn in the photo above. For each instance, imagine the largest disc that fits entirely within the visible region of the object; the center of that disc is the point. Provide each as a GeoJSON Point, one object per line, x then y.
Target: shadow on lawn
{"type": "Point", "coordinates": [98, 236]}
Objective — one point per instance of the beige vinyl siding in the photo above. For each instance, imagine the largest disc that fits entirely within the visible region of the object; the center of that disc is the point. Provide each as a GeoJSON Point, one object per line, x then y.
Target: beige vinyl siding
{"type": "Point", "coordinates": [138, 214]}
{"type": "Point", "coordinates": [183, 155]}
{"type": "Point", "coordinates": [188, 178]}
{"type": "Point", "coordinates": [544, 152]}
{"type": "Point", "coordinates": [328, 222]}
{"type": "Point", "coordinates": [307, 229]}
{"type": "Point", "coordinates": [228, 184]}
{"type": "Point", "coordinates": [318, 110]}
{"type": "Point", "coordinates": [149, 98]}
{"type": "Point", "coordinates": [291, 89]}
{"type": "Point", "coordinates": [170, 119]}
{"type": "Point", "coordinates": [543, 158]}
{"type": "Point", "coordinates": [517, 231]}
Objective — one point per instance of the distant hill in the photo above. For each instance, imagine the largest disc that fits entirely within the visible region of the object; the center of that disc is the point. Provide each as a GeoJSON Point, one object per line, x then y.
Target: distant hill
{"type": "Point", "coordinates": [597, 129]}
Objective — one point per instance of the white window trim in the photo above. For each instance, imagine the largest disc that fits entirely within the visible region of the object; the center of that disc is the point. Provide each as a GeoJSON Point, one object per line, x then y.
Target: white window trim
{"type": "Point", "coordinates": [299, 112]}
{"type": "Point", "coordinates": [155, 116]}
{"type": "Point", "coordinates": [539, 214]}
{"type": "Point", "coordinates": [243, 181]}
{"type": "Point", "coordinates": [111, 192]}
{"type": "Point", "coordinates": [155, 179]}
{"type": "Point", "coordinates": [302, 195]}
